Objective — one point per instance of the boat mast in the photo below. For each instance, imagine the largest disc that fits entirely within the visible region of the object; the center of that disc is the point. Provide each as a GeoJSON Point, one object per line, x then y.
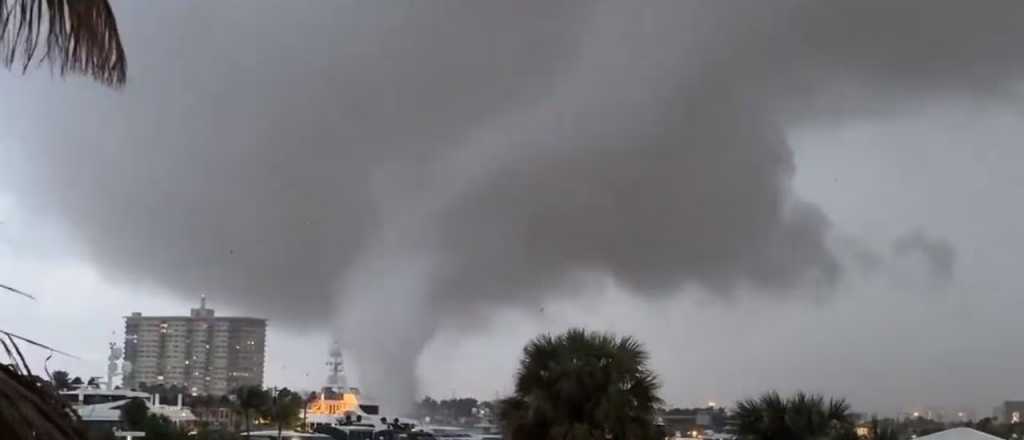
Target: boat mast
{"type": "Point", "coordinates": [336, 366]}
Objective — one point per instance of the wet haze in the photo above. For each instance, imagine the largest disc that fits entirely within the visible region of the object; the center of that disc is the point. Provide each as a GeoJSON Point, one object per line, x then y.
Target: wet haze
{"type": "Point", "coordinates": [801, 194]}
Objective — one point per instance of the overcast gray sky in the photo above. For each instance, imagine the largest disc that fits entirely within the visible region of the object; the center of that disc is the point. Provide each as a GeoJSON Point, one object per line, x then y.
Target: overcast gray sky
{"type": "Point", "coordinates": [785, 195]}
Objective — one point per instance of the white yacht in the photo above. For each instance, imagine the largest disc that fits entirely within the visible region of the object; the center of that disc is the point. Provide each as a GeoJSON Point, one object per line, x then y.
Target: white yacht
{"type": "Point", "coordinates": [90, 395]}
{"type": "Point", "coordinates": [344, 413]}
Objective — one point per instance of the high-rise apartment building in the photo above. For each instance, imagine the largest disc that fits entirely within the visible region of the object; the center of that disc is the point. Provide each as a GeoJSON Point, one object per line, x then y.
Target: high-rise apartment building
{"type": "Point", "coordinates": [204, 353]}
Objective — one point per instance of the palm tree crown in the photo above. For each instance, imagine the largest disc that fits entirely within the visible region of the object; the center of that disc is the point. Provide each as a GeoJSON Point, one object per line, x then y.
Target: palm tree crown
{"type": "Point", "coordinates": [582, 385]}
{"type": "Point", "coordinates": [802, 416]}
{"type": "Point", "coordinates": [251, 400]}
{"type": "Point", "coordinates": [72, 35]}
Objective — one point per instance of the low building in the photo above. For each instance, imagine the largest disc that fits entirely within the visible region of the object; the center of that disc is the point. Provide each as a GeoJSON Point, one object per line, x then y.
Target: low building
{"type": "Point", "coordinates": [1010, 411]}
{"type": "Point", "coordinates": [863, 430]}
{"type": "Point", "coordinates": [694, 419]}
{"type": "Point", "coordinates": [100, 409]}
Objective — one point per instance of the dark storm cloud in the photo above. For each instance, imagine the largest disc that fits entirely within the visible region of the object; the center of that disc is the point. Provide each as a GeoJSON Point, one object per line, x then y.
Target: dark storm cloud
{"type": "Point", "coordinates": [683, 175]}
{"type": "Point", "coordinates": [694, 194]}
{"type": "Point", "coordinates": [937, 252]}
{"type": "Point", "coordinates": [262, 152]}
{"type": "Point", "coordinates": [246, 157]}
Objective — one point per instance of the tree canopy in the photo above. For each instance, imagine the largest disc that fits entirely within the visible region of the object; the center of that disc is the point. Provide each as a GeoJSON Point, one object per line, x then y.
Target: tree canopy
{"type": "Point", "coordinates": [452, 409]}
{"type": "Point", "coordinates": [801, 416]}
{"type": "Point", "coordinates": [134, 414]}
{"type": "Point", "coordinates": [252, 400]}
{"type": "Point", "coordinates": [284, 407]}
{"type": "Point", "coordinates": [582, 385]}
{"type": "Point", "coordinates": [61, 380]}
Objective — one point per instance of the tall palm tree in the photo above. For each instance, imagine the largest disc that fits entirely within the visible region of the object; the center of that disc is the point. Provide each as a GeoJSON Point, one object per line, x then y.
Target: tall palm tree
{"type": "Point", "coordinates": [802, 416]}
{"type": "Point", "coordinates": [75, 36]}
{"type": "Point", "coordinates": [582, 385]}
{"type": "Point", "coordinates": [251, 399]}
{"type": "Point", "coordinates": [883, 431]}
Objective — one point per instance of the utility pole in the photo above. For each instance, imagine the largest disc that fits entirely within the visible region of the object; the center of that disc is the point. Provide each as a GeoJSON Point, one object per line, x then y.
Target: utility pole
{"type": "Point", "coordinates": [276, 413]}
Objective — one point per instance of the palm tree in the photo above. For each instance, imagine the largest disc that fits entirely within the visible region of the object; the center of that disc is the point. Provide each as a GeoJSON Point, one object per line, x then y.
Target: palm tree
{"type": "Point", "coordinates": [305, 405]}
{"type": "Point", "coordinates": [134, 413]}
{"type": "Point", "coordinates": [61, 380]}
{"type": "Point", "coordinates": [251, 399]}
{"type": "Point", "coordinates": [800, 417]}
{"type": "Point", "coordinates": [582, 385]}
{"type": "Point", "coordinates": [284, 408]}
{"type": "Point", "coordinates": [883, 431]}
{"type": "Point", "coordinates": [78, 36]}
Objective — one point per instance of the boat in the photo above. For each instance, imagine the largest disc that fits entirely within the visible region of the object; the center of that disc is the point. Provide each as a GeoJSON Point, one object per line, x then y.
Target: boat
{"type": "Point", "coordinates": [461, 433]}
{"type": "Point", "coordinates": [345, 408]}
{"type": "Point", "coordinates": [346, 432]}
{"type": "Point", "coordinates": [90, 395]}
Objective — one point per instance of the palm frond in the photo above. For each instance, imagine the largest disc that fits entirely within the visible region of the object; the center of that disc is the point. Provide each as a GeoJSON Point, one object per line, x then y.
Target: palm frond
{"type": "Point", "coordinates": [582, 384]}
{"type": "Point", "coordinates": [801, 416]}
{"type": "Point", "coordinates": [37, 344]}
{"type": "Point", "coordinates": [74, 36]}
{"type": "Point", "coordinates": [30, 407]}
{"type": "Point", "coordinates": [19, 292]}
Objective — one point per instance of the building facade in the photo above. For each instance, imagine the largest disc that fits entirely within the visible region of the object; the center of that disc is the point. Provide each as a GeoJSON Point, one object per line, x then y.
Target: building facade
{"type": "Point", "coordinates": [1011, 411]}
{"type": "Point", "coordinates": [204, 353]}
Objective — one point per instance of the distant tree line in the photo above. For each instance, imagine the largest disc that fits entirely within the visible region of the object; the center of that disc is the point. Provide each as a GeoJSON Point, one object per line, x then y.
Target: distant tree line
{"type": "Point", "coordinates": [63, 381]}
{"type": "Point", "coordinates": [454, 409]}
{"type": "Point", "coordinates": [256, 406]}
{"type": "Point", "coordinates": [912, 427]}
{"type": "Point", "coordinates": [800, 416]}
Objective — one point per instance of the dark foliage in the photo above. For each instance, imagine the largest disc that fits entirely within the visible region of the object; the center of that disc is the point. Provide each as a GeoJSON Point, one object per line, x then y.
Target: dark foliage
{"type": "Point", "coordinates": [77, 36]}
{"type": "Point", "coordinates": [251, 400]}
{"type": "Point", "coordinates": [582, 385]}
{"type": "Point", "coordinates": [30, 407]}
{"type": "Point", "coordinates": [799, 417]}
{"type": "Point", "coordinates": [61, 380]}
{"type": "Point", "coordinates": [134, 414]}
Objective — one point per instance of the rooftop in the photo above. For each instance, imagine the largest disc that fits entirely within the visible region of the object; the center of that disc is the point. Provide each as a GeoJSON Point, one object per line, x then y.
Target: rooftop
{"type": "Point", "coordinates": [959, 434]}
{"type": "Point", "coordinates": [199, 313]}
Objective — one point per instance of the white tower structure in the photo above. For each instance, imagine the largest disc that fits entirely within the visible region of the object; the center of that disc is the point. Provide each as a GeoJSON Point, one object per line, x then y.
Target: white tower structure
{"type": "Point", "coordinates": [336, 366]}
{"type": "Point", "coordinates": [112, 367]}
